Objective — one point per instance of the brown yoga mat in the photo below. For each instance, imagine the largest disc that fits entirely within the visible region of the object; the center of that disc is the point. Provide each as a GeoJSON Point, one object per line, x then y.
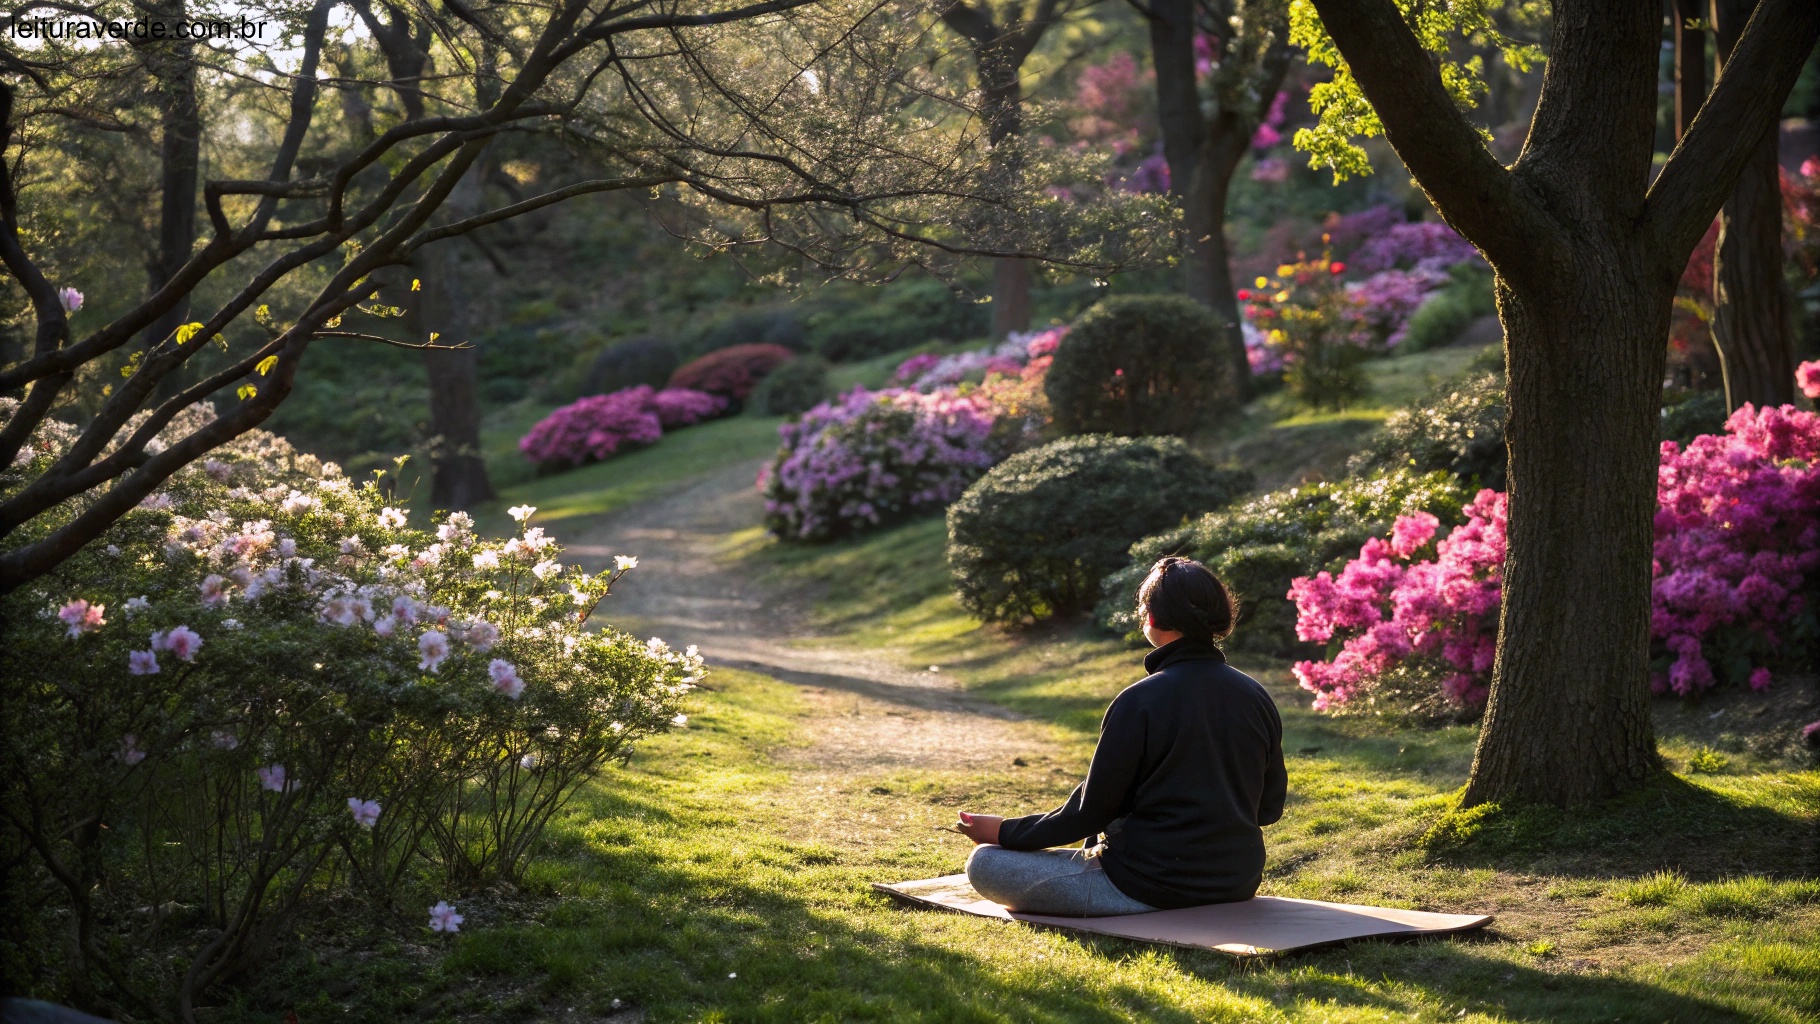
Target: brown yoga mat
{"type": "Point", "coordinates": [1256, 927]}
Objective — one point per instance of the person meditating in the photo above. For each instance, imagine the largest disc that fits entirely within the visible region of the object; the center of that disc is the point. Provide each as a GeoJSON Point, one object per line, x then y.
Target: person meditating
{"type": "Point", "coordinates": [1189, 765]}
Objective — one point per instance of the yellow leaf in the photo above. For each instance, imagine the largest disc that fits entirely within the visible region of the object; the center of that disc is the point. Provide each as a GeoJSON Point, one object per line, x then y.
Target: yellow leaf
{"type": "Point", "coordinates": [246, 391]}
{"type": "Point", "coordinates": [332, 324]}
{"type": "Point", "coordinates": [186, 332]}
{"type": "Point", "coordinates": [416, 284]}
{"type": "Point", "coordinates": [263, 311]}
{"type": "Point", "coordinates": [434, 336]}
{"type": "Point", "coordinates": [266, 364]}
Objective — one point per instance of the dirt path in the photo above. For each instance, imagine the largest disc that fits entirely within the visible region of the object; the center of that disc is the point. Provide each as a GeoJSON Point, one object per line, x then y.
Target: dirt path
{"type": "Point", "coordinates": [869, 713]}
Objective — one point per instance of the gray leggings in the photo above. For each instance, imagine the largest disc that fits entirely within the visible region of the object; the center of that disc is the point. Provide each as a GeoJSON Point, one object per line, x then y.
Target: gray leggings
{"type": "Point", "coordinates": [1059, 883]}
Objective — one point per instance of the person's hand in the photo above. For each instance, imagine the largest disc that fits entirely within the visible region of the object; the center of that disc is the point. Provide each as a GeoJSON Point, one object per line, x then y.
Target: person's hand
{"type": "Point", "coordinates": [981, 828]}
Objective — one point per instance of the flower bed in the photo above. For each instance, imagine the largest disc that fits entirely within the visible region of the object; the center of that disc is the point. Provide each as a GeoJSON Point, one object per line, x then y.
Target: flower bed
{"type": "Point", "coordinates": [871, 457]}
{"type": "Point", "coordinates": [600, 426]}
{"type": "Point", "coordinates": [1737, 548]}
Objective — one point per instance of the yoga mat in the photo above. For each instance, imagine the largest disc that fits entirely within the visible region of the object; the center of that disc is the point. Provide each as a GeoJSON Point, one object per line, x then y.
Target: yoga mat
{"type": "Point", "coordinates": [1260, 926]}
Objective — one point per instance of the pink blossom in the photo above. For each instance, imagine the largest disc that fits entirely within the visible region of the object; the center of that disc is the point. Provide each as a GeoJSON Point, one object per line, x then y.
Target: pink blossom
{"type": "Point", "coordinates": [182, 642]}
{"type": "Point", "coordinates": [366, 812]}
{"type": "Point", "coordinates": [271, 778]}
{"type": "Point", "coordinates": [443, 918]}
{"type": "Point", "coordinates": [434, 646]}
{"type": "Point", "coordinates": [385, 625]}
{"type": "Point", "coordinates": [214, 591]}
{"type": "Point", "coordinates": [1411, 532]}
{"type": "Point", "coordinates": [70, 299]}
{"type": "Point", "coordinates": [481, 635]}
{"type": "Point", "coordinates": [1807, 375]}
{"type": "Point", "coordinates": [505, 677]}
{"type": "Point", "coordinates": [129, 749]}
{"type": "Point", "coordinates": [82, 617]}
{"type": "Point", "coordinates": [142, 663]}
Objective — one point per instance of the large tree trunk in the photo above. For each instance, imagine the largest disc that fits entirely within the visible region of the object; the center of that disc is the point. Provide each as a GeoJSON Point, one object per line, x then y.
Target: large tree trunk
{"type": "Point", "coordinates": [1568, 719]}
{"type": "Point", "coordinates": [1010, 296]}
{"type": "Point", "coordinates": [1207, 262]}
{"type": "Point", "coordinates": [1749, 323]}
{"type": "Point", "coordinates": [999, 65]}
{"type": "Point", "coordinates": [1690, 61]}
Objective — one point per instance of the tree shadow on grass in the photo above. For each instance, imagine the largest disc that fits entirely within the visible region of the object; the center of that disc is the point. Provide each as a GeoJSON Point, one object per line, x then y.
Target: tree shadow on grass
{"type": "Point", "coordinates": [1669, 824]}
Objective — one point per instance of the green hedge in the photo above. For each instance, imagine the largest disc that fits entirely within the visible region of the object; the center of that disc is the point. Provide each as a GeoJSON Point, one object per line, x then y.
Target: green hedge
{"type": "Point", "coordinates": [1139, 364]}
{"type": "Point", "coordinates": [1459, 429]}
{"type": "Point", "coordinates": [1258, 547]}
{"type": "Point", "coordinates": [1034, 536]}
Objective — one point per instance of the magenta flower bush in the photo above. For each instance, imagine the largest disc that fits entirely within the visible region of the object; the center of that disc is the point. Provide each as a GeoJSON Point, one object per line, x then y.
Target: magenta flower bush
{"type": "Point", "coordinates": [1737, 550]}
{"type": "Point", "coordinates": [1386, 300]}
{"type": "Point", "coordinates": [1408, 622]}
{"type": "Point", "coordinates": [929, 372]}
{"type": "Point", "coordinates": [275, 691]}
{"type": "Point", "coordinates": [1423, 245]}
{"type": "Point", "coordinates": [600, 426]}
{"type": "Point", "coordinates": [867, 458]}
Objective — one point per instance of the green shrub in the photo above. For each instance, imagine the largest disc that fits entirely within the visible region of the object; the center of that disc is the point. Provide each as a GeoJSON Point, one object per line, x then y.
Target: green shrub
{"type": "Point", "coordinates": [1139, 364]}
{"type": "Point", "coordinates": [795, 387]}
{"type": "Point", "coordinates": [627, 364]}
{"type": "Point", "coordinates": [748, 327]}
{"type": "Point", "coordinates": [1035, 535]}
{"type": "Point", "coordinates": [1459, 429]}
{"type": "Point", "coordinates": [1258, 547]}
{"type": "Point", "coordinates": [1441, 318]}
{"type": "Point", "coordinates": [1703, 412]}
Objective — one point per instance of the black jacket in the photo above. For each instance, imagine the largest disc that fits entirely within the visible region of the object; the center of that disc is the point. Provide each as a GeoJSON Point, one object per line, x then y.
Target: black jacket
{"type": "Point", "coordinates": [1189, 765]}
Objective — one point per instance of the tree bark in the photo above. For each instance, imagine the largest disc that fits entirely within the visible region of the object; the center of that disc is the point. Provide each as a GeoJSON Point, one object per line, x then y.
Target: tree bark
{"type": "Point", "coordinates": [1568, 719]}
{"type": "Point", "coordinates": [1207, 260]}
{"type": "Point", "coordinates": [1588, 250]}
{"type": "Point", "coordinates": [1010, 296]}
{"type": "Point", "coordinates": [1690, 61]}
{"type": "Point", "coordinates": [1750, 326]}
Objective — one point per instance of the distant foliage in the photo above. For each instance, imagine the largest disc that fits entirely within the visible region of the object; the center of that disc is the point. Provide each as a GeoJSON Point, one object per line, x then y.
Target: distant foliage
{"type": "Point", "coordinates": [1464, 295]}
{"type": "Point", "coordinates": [1257, 548]}
{"type": "Point", "coordinates": [869, 458]}
{"type": "Point", "coordinates": [1033, 537]}
{"type": "Point", "coordinates": [1424, 245]}
{"type": "Point", "coordinates": [795, 387]}
{"type": "Point", "coordinates": [1139, 364]}
{"type": "Point", "coordinates": [751, 327]}
{"type": "Point", "coordinates": [1737, 553]}
{"type": "Point", "coordinates": [283, 701]}
{"type": "Point", "coordinates": [732, 372]}
{"type": "Point", "coordinates": [1703, 412]}
{"type": "Point", "coordinates": [601, 426]}
{"type": "Point", "coordinates": [928, 371]}
{"type": "Point", "coordinates": [1459, 430]}
{"type": "Point", "coordinates": [1387, 300]}
{"type": "Point", "coordinates": [627, 364]}
{"type": "Point", "coordinates": [896, 317]}
{"type": "Point", "coordinates": [1319, 328]}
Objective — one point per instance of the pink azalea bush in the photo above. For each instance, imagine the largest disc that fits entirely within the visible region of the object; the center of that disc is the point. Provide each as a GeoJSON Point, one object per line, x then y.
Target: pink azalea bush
{"type": "Point", "coordinates": [869, 457]}
{"type": "Point", "coordinates": [600, 426]}
{"type": "Point", "coordinates": [929, 372]}
{"type": "Point", "coordinates": [1737, 548]}
{"type": "Point", "coordinates": [1423, 245]}
{"type": "Point", "coordinates": [1406, 620]}
{"type": "Point", "coordinates": [275, 690]}
{"type": "Point", "coordinates": [1386, 300]}
{"type": "Point", "coordinates": [1807, 378]}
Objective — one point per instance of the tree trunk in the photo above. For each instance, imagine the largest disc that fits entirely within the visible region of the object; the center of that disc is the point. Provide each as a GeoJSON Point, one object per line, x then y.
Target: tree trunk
{"type": "Point", "coordinates": [1010, 296]}
{"type": "Point", "coordinates": [1749, 325]}
{"type": "Point", "coordinates": [1690, 61]}
{"type": "Point", "coordinates": [1569, 719]}
{"type": "Point", "coordinates": [1207, 263]}
{"type": "Point", "coordinates": [460, 474]}
{"type": "Point", "coordinates": [173, 68]}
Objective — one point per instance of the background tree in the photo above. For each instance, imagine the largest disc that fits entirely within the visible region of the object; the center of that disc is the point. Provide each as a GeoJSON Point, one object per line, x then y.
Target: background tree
{"type": "Point", "coordinates": [1000, 41]}
{"type": "Point", "coordinates": [1218, 65]}
{"type": "Point", "coordinates": [870, 172]}
{"type": "Point", "coordinates": [1587, 249]}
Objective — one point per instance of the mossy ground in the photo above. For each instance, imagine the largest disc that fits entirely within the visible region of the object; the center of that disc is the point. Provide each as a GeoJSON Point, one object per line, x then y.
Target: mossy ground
{"type": "Point", "coordinates": [723, 875]}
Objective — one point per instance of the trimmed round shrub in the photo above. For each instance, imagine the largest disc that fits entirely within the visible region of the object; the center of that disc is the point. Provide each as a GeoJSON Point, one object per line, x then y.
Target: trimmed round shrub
{"type": "Point", "coordinates": [795, 387]}
{"type": "Point", "coordinates": [1033, 537]}
{"type": "Point", "coordinates": [1139, 364]}
{"type": "Point", "coordinates": [600, 426]}
{"type": "Point", "coordinates": [647, 360]}
{"type": "Point", "coordinates": [1459, 430]}
{"type": "Point", "coordinates": [732, 372]}
{"type": "Point", "coordinates": [1257, 548]}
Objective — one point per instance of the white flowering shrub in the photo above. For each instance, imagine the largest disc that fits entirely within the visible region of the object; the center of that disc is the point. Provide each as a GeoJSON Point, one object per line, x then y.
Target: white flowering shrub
{"type": "Point", "coordinates": [263, 688]}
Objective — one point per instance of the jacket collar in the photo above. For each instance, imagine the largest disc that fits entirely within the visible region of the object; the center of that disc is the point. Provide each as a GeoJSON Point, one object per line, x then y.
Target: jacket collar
{"type": "Point", "coordinates": [1185, 649]}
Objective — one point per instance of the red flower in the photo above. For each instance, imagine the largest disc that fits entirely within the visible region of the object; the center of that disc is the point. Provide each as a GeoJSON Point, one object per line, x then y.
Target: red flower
{"type": "Point", "coordinates": [1337, 268]}
{"type": "Point", "coordinates": [1244, 294]}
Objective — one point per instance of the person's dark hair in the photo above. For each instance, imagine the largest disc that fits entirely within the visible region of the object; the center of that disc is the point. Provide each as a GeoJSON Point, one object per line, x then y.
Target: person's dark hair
{"type": "Point", "coordinates": [1183, 596]}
